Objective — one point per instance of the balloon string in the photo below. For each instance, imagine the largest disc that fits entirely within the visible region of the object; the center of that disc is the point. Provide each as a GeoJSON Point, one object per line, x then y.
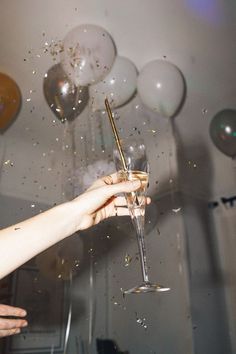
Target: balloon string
{"type": "Point", "coordinates": [86, 153]}
{"type": "Point", "coordinates": [91, 128]}
{"type": "Point", "coordinates": [73, 150]}
{"type": "Point", "coordinates": [68, 148]}
{"type": "Point", "coordinates": [68, 326]}
{"type": "Point", "coordinates": [107, 295]}
{"type": "Point", "coordinates": [91, 303]}
{"type": "Point", "coordinates": [100, 127]}
{"type": "Point", "coordinates": [70, 132]}
{"type": "Point", "coordinates": [171, 141]}
{"type": "Point", "coordinates": [63, 174]}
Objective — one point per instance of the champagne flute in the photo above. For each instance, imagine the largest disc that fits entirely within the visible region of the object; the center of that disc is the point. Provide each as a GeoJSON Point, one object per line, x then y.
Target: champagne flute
{"type": "Point", "coordinates": [137, 167]}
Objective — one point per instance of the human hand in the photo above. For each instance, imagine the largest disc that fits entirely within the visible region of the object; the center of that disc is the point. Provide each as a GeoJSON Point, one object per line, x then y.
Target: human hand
{"type": "Point", "coordinates": [11, 326]}
{"type": "Point", "coordinates": [100, 201]}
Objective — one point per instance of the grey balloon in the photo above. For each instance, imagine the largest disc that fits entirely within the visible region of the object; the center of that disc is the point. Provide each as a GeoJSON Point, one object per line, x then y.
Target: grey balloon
{"type": "Point", "coordinates": [65, 99]}
{"type": "Point", "coordinates": [223, 131]}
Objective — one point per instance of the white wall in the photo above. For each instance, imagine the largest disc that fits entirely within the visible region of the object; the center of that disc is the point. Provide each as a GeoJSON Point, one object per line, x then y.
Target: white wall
{"type": "Point", "coordinates": [200, 39]}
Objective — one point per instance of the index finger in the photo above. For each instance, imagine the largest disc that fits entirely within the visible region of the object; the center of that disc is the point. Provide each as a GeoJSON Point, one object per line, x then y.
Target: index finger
{"type": "Point", "coordinates": [112, 178]}
{"type": "Point", "coordinates": [6, 310]}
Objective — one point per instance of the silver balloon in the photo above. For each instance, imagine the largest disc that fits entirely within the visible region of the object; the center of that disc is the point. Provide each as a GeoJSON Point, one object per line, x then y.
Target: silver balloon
{"type": "Point", "coordinates": [223, 131]}
{"type": "Point", "coordinates": [65, 99]}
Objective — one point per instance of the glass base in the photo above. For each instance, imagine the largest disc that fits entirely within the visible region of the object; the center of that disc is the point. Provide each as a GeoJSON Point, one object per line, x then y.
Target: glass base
{"type": "Point", "coordinates": [146, 287]}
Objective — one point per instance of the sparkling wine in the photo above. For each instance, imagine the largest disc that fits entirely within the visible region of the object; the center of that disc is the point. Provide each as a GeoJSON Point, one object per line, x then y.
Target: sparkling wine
{"type": "Point", "coordinates": [141, 175]}
{"type": "Point", "coordinates": [136, 200]}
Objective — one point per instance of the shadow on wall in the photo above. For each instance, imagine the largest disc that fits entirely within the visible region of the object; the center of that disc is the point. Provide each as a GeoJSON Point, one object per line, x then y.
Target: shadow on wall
{"type": "Point", "coordinates": [207, 285]}
{"type": "Point", "coordinates": [195, 183]}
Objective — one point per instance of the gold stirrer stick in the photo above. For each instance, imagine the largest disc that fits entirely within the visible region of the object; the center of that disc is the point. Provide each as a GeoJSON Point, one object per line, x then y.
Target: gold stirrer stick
{"type": "Point", "coordinates": [117, 139]}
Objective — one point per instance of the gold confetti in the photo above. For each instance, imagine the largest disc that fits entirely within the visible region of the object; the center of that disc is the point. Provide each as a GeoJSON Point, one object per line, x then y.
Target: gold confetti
{"type": "Point", "coordinates": [8, 162]}
{"type": "Point", "coordinates": [128, 260]}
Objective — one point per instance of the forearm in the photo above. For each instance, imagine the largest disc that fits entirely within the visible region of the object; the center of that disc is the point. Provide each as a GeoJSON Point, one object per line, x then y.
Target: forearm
{"type": "Point", "coordinates": [21, 242]}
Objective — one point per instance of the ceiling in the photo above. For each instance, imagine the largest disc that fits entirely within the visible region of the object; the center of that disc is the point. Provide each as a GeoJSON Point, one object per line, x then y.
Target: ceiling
{"type": "Point", "coordinates": [197, 36]}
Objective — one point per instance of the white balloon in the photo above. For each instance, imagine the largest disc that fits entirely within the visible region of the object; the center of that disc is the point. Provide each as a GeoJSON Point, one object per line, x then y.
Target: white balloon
{"type": "Point", "coordinates": [118, 86]}
{"type": "Point", "coordinates": [88, 54]}
{"type": "Point", "coordinates": [161, 87]}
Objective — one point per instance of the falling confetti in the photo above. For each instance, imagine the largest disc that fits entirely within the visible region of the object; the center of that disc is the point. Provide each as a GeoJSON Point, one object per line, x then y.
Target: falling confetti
{"type": "Point", "coordinates": [77, 263]}
{"type": "Point", "coordinates": [8, 162]}
{"type": "Point", "coordinates": [191, 163]}
{"type": "Point", "coordinates": [128, 260]}
{"type": "Point", "coordinates": [141, 322]}
{"type": "Point", "coordinates": [176, 210]}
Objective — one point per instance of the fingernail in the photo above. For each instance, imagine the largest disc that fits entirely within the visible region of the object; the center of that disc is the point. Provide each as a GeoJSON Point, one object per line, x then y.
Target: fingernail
{"type": "Point", "coordinates": [17, 330]}
{"type": "Point", "coordinates": [25, 324]}
{"type": "Point", "coordinates": [23, 313]}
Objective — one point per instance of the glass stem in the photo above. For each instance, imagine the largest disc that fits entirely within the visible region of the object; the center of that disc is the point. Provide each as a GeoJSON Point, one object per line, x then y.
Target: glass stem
{"type": "Point", "coordinates": [139, 227]}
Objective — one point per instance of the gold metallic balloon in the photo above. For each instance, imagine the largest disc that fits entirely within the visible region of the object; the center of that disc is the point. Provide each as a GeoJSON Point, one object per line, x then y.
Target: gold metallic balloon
{"type": "Point", "coordinates": [65, 99]}
{"type": "Point", "coordinates": [10, 100]}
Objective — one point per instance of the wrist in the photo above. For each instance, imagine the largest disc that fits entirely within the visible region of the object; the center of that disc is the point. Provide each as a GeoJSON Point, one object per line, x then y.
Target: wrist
{"type": "Point", "coordinates": [73, 210]}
